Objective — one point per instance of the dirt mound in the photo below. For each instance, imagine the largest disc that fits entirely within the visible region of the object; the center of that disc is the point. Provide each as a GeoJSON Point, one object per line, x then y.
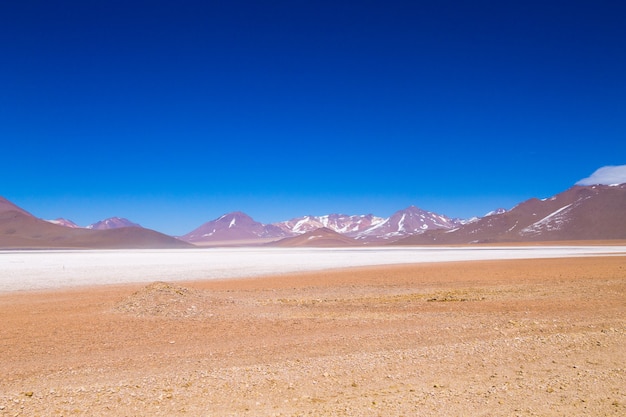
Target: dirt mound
{"type": "Point", "coordinates": [322, 237]}
{"type": "Point", "coordinates": [161, 299]}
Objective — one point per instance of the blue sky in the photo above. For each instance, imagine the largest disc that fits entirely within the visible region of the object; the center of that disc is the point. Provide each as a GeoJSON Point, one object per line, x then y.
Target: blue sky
{"type": "Point", "coordinates": [171, 113]}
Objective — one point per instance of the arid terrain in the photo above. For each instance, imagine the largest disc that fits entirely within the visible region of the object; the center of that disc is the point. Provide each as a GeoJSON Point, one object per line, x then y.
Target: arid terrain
{"type": "Point", "coordinates": [538, 337]}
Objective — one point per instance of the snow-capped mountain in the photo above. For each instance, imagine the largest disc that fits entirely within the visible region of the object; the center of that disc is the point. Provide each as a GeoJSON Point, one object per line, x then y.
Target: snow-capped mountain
{"type": "Point", "coordinates": [65, 223]}
{"type": "Point", "coordinates": [239, 226]}
{"type": "Point", "coordinates": [407, 222]}
{"type": "Point", "coordinates": [579, 213]}
{"type": "Point", "coordinates": [112, 223]}
{"type": "Point", "coordinates": [340, 223]}
{"type": "Point", "coordinates": [236, 226]}
{"type": "Point", "coordinates": [582, 212]}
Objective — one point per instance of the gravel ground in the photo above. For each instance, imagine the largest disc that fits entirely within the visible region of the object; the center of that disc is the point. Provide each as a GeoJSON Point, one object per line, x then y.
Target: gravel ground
{"type": "Point", "coordinates": [495, 338]}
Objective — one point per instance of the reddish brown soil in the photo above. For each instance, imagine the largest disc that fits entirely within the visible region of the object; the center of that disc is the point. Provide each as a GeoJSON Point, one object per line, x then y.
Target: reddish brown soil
{"type": "Point", "coordinates": [506, 338]}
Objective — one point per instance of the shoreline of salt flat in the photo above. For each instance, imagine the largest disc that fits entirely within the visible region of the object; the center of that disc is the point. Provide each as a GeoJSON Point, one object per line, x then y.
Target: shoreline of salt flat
{"type": "Point", "coordinates": [57, 269]}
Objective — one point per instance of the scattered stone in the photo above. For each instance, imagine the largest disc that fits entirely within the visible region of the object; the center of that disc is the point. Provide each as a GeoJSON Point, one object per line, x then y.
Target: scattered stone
{"type": "Point", "coordinates": [273, 358]}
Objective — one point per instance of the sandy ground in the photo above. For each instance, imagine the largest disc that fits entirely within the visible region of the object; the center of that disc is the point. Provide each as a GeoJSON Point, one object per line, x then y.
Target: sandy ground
{"type": "Point", "coordinates": [541, 337]}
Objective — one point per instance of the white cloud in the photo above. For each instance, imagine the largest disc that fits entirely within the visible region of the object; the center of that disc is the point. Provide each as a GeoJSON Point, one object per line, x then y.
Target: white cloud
{"type": "Point", "coordinates": [607, 175]}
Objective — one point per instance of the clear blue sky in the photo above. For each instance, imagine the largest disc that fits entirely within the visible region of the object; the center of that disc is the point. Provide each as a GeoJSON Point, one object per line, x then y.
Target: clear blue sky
{"type": "Point", "coordinates": [171, 113]}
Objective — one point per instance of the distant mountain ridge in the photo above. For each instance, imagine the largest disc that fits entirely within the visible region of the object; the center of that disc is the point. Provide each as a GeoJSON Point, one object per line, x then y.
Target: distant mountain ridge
{"type": "Point", "coordinates": [106, 224]}
{"type": "Point", "coordinates": [595, 212]}
{"type": "Point", "coordinates": [238, 226]}
{"type": "Point", "coordinates": [349, 225]}
{"type": "Point", "coordinates": [580, 213]}
{"type": "Point", "coordinates": [407, 222]}
{"type": "Point", "coordinates": [21, 230]}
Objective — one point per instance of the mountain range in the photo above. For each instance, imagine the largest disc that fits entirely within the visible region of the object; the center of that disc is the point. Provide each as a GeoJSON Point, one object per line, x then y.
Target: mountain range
{"type": "Point", "coordinates": [370, 228]}
{"type": "Point", "coordinates": [21, 230]}
{"type": "Point", "coordinates": [106, 224]}
{"type": "Point", "coordinates": [596, 212]}
{"type": "Point", "coordinates": [240, 228]}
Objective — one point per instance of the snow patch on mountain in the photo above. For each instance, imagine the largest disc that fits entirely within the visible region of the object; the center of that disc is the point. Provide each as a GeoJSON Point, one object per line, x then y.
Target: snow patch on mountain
{"type": "Point", "coordinates": [64, 223]}
{"type": "Point", "coordinates": [494, 212]}
{"type": "Point", "coordinates": [112, 223]}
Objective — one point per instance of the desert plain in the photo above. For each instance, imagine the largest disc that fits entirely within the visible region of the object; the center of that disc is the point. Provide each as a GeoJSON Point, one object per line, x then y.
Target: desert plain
{"type": "Point", "coordinates": [505, 337]}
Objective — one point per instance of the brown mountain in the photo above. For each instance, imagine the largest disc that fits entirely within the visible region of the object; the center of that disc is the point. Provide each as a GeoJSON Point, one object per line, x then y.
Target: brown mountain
{"type": "Point", "coordinates": [234, 227]}
{"type": "Point", "coordinates": [6, 205]}
{"type": "Point", "coordinates": [20, 229]}
{"type": "Point", "coordinates": [595, 212]}
{"type": "Point", "coordinates": [322, 237]}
